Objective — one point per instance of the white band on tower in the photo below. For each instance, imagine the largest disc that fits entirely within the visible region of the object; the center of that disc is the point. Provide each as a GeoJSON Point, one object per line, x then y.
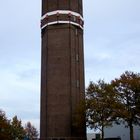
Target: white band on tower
{"type": "Point", "coordinates": [63, 12]}
{"type": "Point", "coordinates": [61, 22]}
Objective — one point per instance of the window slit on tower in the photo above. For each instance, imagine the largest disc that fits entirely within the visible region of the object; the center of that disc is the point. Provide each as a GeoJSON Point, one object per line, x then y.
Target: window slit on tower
{"type": "Point", "coordinates": [77, 83]}
{"type": "Point", "coordinates": [76, 32]}
{"type": "Point", "coordinates": [77, 57]}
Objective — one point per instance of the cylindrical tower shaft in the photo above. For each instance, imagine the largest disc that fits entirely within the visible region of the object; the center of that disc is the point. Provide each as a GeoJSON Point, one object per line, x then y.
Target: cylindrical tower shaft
{"type": "Point", "coordinates": [62, 70]}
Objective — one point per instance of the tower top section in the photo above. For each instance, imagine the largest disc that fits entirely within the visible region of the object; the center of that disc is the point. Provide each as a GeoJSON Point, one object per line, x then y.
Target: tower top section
{"type": "Point", "coordinates": [53, 5]}
{"type": "Point", "coordinates": [56, 12]}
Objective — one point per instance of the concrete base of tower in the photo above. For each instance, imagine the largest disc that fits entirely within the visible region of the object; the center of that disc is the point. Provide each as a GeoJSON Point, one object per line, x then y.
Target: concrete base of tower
{"type": "Point", "coordinates": [64, 138]}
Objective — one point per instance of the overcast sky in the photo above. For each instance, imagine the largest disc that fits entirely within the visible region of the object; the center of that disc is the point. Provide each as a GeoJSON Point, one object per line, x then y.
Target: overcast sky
{"type": "Point", "coordinates": [111, 42]}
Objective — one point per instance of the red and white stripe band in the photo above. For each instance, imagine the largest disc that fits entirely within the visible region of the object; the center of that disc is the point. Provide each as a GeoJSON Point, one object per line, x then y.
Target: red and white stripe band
{"type": "Point", "coordinates": [62, 17]}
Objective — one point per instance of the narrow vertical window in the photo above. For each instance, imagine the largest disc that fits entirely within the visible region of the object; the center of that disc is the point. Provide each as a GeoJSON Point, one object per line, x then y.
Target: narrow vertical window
{"type": "Point", "coordinates": [77, 57]}
{"type": "Point", "coordinates": [77, 83]}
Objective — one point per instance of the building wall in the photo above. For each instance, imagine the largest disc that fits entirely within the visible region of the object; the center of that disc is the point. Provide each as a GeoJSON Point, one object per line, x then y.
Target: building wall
{"type": "Point", "coordinates": [90, 136]}
{"type": "Point", "coordinates": [122, 131]}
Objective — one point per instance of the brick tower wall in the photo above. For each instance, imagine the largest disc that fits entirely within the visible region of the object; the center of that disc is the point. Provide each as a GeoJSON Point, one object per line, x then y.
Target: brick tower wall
{"type": "Point", "coordinates": [62, 70]}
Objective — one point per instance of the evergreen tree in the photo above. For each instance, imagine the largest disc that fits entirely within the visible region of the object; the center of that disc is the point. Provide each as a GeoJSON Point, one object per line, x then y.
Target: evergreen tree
{"type": "Point", "coordinates": [18, 132]}
{"type": "Point", "coordinates": [5, 128]}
